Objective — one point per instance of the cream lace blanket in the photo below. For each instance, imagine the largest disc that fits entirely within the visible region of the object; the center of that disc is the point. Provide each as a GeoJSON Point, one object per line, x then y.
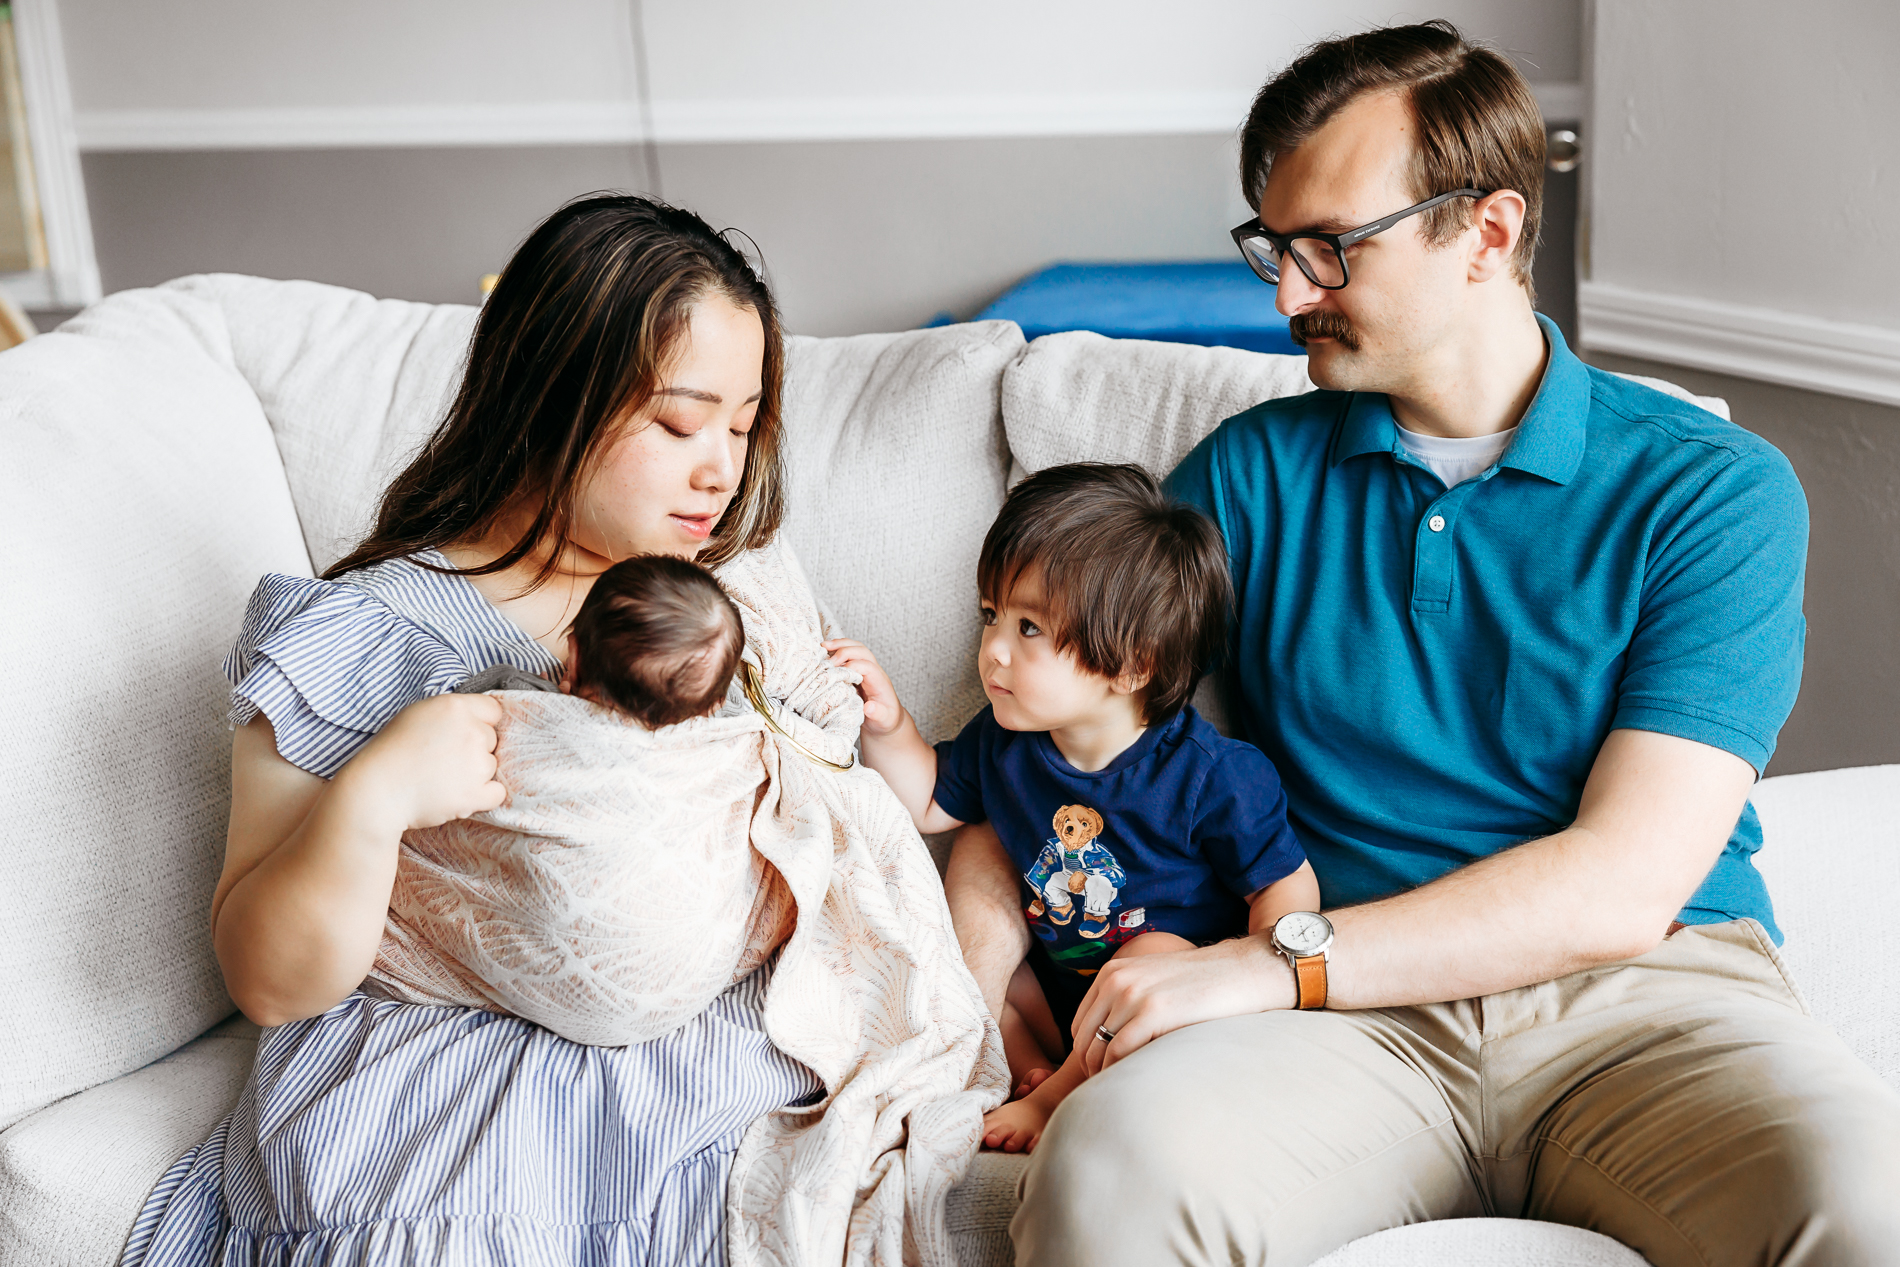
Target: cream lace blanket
{"type": "Point", "coordinates": [633, 875]}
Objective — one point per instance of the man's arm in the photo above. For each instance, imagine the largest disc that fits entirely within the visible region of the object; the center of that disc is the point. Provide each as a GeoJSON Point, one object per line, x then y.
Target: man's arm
{"type": "Point", "coordinates": [1655, 814]}
{"type": "Point", "coordinates": [986, 909]}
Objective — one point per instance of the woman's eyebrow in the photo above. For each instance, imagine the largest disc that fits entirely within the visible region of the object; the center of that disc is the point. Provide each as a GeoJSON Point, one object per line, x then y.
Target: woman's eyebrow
{"type": "Point", "coordinates": [711, 398]}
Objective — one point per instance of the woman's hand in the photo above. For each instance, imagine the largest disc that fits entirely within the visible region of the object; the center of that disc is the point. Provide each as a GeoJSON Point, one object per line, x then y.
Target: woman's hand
{"type": "Point", "coordinates": [308, 865]}
{"type": "Point", "coordinates": [434, 762]}
{"type": "Point", "coordinates": [1141, 998]}
{"type": "Point", "coordinates": [882, 712]}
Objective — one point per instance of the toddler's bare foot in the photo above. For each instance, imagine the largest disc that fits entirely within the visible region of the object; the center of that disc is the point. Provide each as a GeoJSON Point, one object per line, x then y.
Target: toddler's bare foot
{"type": "Point", "coordinates": [1015, 1127]}
{"type": "Point", "coordinates": [1031, 1080]}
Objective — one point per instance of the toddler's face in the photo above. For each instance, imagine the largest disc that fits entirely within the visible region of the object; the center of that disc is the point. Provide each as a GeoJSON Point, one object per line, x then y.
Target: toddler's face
{"type": "Point", "coordinates": [1030, 684]}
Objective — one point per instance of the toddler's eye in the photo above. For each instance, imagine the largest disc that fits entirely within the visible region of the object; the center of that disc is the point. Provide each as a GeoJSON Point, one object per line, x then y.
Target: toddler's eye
{"type": "Point", "coordinates": [988, 615]}
{"type": "Point", "coordinates": [1028, 627]}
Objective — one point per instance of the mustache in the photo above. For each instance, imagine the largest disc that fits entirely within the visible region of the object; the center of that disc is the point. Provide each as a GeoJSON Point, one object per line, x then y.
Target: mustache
{"type": "Point", "coordinates": [1322, 324]}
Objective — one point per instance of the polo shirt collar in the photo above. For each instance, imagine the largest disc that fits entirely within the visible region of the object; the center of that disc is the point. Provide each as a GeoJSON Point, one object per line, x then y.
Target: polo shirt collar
{"type": "Point", "coordinates": [1550, 437]}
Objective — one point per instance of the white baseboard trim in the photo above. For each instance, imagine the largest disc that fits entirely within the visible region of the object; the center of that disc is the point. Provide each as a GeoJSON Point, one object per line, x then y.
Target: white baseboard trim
{"type": "Point", "coordinates": [1840, 358]}
{"type": "Point", "coordinates": [686, 122]}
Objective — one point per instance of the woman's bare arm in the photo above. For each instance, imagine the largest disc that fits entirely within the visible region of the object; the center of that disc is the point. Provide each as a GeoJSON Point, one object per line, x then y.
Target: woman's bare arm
{"type": "Point", "coordinates": [309, 864]}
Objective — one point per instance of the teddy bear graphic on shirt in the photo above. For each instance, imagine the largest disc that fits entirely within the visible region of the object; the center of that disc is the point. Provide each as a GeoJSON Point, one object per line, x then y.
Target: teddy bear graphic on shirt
{"type": "Point", "coordinates": [1076, 868]}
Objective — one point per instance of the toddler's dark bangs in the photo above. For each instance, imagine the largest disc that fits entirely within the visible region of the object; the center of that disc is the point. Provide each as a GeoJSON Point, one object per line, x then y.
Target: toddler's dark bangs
{"type": "Point", "coordinates": [1131, 581]}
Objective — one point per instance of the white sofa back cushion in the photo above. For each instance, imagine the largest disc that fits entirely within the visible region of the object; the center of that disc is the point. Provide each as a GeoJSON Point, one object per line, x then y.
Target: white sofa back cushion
{"type": "Point", "coordinates": [896, 461]}
{"type": "Point", "coordinates": [1080, 397]}
{"type": "Point", "coordinates": [144, 498]}
{"type": "Point", "coordinates": [352, 386]}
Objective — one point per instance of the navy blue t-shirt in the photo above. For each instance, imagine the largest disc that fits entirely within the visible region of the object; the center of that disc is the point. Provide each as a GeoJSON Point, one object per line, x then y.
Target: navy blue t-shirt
{"type": "Point", "coordinates": [1170, 836]}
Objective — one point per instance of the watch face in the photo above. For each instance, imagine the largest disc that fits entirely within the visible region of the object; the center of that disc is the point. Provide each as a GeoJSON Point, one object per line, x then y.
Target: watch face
{"type": "Point", "coordinates": [1303, 932]}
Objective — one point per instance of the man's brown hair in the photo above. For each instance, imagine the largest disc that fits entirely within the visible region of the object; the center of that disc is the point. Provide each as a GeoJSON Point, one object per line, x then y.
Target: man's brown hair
{"type": "Point", "coordinates": [658, 639]}
{"type": "Point", "coordinates": [1478, 122]}
{"type": "Point", "coordinates": [1132, 581]}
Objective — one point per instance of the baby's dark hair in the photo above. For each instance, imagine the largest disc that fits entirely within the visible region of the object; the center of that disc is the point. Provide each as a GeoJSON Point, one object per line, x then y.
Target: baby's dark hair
{"type": "Point", "coordinates": [1132, 580]}
{"type": "Point", "coordinates": [657, 639]}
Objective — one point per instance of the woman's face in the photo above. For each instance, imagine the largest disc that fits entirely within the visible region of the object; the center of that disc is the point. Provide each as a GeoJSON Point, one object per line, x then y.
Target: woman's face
{"type": "Point", "coordinates": [661, 486]}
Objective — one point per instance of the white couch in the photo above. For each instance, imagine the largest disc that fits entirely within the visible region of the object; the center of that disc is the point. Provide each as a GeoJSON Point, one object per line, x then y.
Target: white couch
{"type": "Point", "coordinates": [167, 446]}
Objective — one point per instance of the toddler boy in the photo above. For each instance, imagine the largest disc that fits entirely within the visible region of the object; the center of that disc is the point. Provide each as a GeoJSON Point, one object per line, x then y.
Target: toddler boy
{"type": "Point", "coordinates": [1136, 827]}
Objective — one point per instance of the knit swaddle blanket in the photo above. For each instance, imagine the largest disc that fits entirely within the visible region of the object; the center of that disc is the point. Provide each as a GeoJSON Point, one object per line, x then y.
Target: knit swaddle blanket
{"type": "Point", "coordinates": [633, 875]}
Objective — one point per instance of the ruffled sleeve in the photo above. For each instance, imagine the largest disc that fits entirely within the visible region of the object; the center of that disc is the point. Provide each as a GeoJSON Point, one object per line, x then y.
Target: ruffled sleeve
{"type": "Point", "coordinates": [330, 665]}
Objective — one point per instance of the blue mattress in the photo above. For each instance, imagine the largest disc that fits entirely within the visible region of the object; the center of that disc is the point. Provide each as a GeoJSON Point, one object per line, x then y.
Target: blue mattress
{"type": "Point", "coordinates": [1210, 302]}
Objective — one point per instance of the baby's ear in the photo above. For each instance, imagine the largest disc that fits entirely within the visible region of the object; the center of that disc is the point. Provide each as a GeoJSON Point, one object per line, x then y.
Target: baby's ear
{"type": "Point", "coordinates": [572, 657]}
{"type": "Point", "coordinates": [1131, 681]}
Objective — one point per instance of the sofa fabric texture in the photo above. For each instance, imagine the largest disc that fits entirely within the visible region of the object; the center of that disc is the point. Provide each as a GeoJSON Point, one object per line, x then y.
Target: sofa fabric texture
{"type": "Point", "coordinates": [144, 497]}
{"type": "Point", "coordinates": [176, 443]}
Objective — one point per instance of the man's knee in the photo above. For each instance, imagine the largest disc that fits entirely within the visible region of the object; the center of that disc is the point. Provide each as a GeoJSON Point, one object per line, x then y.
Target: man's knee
{"type": "Point", "coordinates": [1801, 1176]}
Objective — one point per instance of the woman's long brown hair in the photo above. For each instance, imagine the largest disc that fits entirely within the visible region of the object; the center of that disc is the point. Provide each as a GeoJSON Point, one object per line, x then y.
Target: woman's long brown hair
{"type": "Point", "coordinates": [572, 340]}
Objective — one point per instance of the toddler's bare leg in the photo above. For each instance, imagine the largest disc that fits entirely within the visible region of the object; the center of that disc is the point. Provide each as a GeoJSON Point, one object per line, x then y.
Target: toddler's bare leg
{"type": "Point", "coordinates": [1031, 1039]}
{"type": "Point", "coordinates": [1015, 1127]}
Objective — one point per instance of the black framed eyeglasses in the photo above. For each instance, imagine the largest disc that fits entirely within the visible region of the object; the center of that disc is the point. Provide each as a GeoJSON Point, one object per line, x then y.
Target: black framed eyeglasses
{"type": "Point", "coordinates": [1321, 256]}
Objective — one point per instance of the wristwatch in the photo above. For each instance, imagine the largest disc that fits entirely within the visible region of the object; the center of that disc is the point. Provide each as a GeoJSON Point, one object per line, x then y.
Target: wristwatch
{"type": "Point", "coordinates": [1304, 937]}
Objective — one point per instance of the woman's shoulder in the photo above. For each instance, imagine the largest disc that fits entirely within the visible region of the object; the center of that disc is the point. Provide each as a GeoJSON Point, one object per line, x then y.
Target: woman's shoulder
{"type": "Point", "coordinates": [331, 661]}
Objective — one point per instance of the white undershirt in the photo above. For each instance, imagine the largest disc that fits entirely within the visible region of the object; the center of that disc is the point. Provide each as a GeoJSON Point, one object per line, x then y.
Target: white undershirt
{"type": "Point", "coordinates": [1456, 460]}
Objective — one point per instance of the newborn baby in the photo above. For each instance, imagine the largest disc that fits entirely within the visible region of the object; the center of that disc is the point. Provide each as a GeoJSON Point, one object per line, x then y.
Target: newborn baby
{"type": "Point", "coordinates": [614, 894]}
{"type": "Point", "coordinates": [657, 640]}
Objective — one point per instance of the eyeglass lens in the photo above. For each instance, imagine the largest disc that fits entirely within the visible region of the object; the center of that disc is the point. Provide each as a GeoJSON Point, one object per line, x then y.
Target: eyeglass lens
{"type": "Point", "coordinates": [1316, 257]}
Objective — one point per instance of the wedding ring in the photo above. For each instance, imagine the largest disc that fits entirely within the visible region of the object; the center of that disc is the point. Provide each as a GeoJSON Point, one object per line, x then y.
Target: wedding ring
{"type": "Point", "coordinates": [1104, 1033]}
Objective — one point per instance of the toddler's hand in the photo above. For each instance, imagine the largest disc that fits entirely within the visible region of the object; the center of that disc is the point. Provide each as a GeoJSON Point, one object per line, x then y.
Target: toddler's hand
{"type": "Point", "coordinates": [882, 712]}
{"type": "Point", "coordinates": [434, 761]}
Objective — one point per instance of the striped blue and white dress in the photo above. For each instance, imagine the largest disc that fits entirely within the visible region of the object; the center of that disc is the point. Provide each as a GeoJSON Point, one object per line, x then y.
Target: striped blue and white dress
{"type": "Point", "coordinates": [391, 1133]}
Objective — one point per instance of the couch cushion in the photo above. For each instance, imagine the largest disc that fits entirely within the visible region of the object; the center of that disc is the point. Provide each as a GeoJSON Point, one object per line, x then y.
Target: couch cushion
{"type": "Point", "coordinates": [73, 1176]}
{"type": "Point", "coordinates": [143, 498]}
{"type": "Point", "coordinates": [1831, 857]}
{"type": "Point", "coordinates": [1079, 397]}
{"type": "Point", "coordinates": [352, 386]}
{"type": "Point", "coordinates": [897, 461]}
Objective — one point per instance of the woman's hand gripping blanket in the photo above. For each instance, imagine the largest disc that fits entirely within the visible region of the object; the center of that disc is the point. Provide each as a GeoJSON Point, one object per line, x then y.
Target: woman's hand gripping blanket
{"type": "Point", "coordinates": [633, 875]}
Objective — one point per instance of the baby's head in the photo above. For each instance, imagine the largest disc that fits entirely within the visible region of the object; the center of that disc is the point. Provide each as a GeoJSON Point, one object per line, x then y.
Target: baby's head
{"type": "Point", "coordinates": [1092, 578]}
{"type": "Point", "coordinates": [656, 639]}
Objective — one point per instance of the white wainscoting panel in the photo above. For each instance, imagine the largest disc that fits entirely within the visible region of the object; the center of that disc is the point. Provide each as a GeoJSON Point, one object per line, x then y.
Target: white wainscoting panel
{"type": "Point", "coordinates": [1837, 357]}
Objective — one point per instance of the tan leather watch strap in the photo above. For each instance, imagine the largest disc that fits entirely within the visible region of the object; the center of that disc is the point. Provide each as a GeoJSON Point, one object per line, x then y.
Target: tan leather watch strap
{"type": "Point", "coordinates": [1310, 971]}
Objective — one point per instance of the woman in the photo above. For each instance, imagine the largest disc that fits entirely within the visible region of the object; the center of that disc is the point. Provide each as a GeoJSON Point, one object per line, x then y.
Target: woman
{"type": "Point", "coordinates": [621, 397]}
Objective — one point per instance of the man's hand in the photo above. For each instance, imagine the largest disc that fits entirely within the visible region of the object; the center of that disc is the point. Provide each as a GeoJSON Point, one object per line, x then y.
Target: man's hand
{"type": "Point", "coordinates": [882, 712]}
{"type": "Point", "coordinates": [1143, 997]}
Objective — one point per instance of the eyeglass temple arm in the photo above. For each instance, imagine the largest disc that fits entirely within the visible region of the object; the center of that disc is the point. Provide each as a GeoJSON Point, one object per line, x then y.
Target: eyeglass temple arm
{"type": "Point", "coordinates": [1380, 226]}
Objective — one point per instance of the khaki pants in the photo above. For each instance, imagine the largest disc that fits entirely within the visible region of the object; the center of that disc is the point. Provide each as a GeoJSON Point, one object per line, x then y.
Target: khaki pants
{"type": "Point", "coordinates": [1684, 1103]}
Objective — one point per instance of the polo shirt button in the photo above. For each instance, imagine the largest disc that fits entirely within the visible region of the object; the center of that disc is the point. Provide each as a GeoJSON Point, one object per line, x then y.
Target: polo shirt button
{"type": "Point", "coordinates": [1436, 523]}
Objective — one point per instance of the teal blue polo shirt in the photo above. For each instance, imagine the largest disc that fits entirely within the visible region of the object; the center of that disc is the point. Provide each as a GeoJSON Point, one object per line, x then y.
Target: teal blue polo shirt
{"type": "Point", "coordinates": [1433, 669]}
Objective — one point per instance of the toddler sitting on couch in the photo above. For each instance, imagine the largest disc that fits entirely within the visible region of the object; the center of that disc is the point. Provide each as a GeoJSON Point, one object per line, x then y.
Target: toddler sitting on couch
{"type": "Point", "coordinates": [1102, 602]}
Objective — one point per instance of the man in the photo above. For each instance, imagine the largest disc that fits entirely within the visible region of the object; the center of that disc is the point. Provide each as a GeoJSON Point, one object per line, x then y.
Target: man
{"type": "Point", "coordinates": [1519, 636]}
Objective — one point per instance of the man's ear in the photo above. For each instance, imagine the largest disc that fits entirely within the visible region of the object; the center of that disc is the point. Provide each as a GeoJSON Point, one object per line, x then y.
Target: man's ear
{"type": "Point", "coordinates": [1499, 219]}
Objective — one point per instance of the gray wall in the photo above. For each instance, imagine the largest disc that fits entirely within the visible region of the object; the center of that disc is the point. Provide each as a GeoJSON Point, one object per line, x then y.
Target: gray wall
{"type": "Point", "coordinates": [1847, 454]}
{"type": "Point", "coordinates": [858, 235]}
